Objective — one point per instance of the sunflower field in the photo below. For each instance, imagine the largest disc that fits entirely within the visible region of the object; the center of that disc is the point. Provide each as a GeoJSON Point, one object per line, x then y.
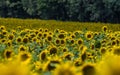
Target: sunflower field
{"type": "Point", "coordinates": [42, 51]}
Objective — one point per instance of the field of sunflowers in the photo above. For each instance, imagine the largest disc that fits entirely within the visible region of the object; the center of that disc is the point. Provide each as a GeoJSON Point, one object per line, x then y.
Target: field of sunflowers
{"type": "Point", "coordinates": [42, 51]}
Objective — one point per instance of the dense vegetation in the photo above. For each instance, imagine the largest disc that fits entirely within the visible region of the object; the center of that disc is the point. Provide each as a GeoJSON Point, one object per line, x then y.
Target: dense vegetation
{"type": "Point", "coordinates": [73, 10]}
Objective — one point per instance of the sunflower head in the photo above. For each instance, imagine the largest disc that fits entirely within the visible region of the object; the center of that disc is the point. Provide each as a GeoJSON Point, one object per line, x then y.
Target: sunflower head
{"type": "Point", "coordinates": [43, 55]}
{"type": "Point", "coordinates": [65, 69]}
{"type": "Point", "coordinates": [103, 50]}
{"type": "Point", "coordinates": [57, 41]}
{"type": "Point", "coordinates": [14, 68]}
{"type": "Point", "coordinates": [4, 32]}
{"type": "Point", "coordinates": [88, 69]}
{"type": "Point", "coordinates": [80, 41]}
{"type": "Point", "coordinates": [65, 49]}
{"type": "Point", "coordinates": [24, 57]}
{"type": "Point", "coordinates": [89, 35]}
{"type": "Point", "coordinates": [25, 40]}
{"type": "Point", "coordinates": [18, 39]}
{"type": "Point", "coordinates": [48, 66]}
{"type": "Point", "coordinates": [53, 50]}
{"type": "Point", "coordinates": [34, 39]}
{"type": "Point", "coordinates": [11, 36]}
{"type": "Point", "coordinates": [39, 35]}
{"type": "Point", "coordinates": [8, 54]}
{"type": "Point", "coordinates": [45, 35]}
{"type": "Point", "coordinates": [104, 28]}
{"type": "Point", "coordinates": [68, 56]}
{"type": "Point", "coordinates": [116, 50]}
{"type": "Point", "coordinates": [49, 38]}
{"type": "Point", "coordinates": [61, 36]}
{"type": "Point", "coordinates": [46, 30]}
{"type": "Point", "coordinates": [113, 42]}
{"type": "Point", "coordinates": [2, 28]}
{"type": "Point", "coordinates": [9, 43]}
{"type": "Point", "coordinates": [40, 29]}
{"type": "Point", "coordinates": [38, 66]}
{"type": "Point", "coordinates": [62, 41]}
{"type": "Point", "coordinates": [22, 48]}
{"type": "Point", "coordinates": [78, 62]}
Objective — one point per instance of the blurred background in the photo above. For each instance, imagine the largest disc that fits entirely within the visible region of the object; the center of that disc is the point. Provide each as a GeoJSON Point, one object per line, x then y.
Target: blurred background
{"type": "Point", "coordinates": [65, 10]}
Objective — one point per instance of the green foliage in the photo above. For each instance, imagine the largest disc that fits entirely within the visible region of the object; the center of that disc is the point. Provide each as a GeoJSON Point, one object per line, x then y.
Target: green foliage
{"type": "Point", "coordinates": [74, 10]}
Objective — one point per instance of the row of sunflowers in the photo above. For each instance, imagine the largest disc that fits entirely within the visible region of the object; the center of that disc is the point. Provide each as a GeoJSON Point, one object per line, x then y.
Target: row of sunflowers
{"type": "Point", "coordinates": [44, 52]}
{"type": "Point", "coordinates": [51, 25]}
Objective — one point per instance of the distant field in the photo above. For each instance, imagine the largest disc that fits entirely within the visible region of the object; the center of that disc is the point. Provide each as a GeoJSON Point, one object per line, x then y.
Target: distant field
{"type": "Point", "coordinates": [52, 24]}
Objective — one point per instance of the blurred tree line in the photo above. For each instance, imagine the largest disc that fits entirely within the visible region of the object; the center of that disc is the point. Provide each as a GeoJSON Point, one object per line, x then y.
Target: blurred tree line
{"type": "Point", "coordinates": [66, 10]}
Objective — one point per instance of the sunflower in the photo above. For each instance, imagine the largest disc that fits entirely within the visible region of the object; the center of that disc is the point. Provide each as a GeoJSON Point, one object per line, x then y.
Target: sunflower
{"type": "Point", "coordinates": [82, 48]}
{"type": "Point", "coordinates": [49, 66]}
{"type": "Point", "coordinates": [25, 40]}
{"type": "Point", "coordinates": [9, 43]}
{"type": "Point", "coordinates": [57, 41]}
{"type": "Point", "coordinates": [27, 30]}
{"type": "Point", "coordinates": [45, 34]}
{"type": "Point", "coordinates": [65, 69]}
{"type": "Point", "coordinates": [72, 36]}
{"type": "Point", "coordinates": [103, 50]}
{"type": "Point", "coordinates": [109, 67]}
{"type": "Point", "coordinates": [32, 35]}
{"type": "Point", "coordinates": [78, 62]}
{"type": "Point", "coordinates": [34, 39]}
{"type": "Point", "coordinates": [79, 41]}
{"type": "Point", "coordinates": [11, 36]}
{"type": "Point", "coordinates": [83, 56]}
{"type": "Point", "coordinates": [22, 48]}
{"type": "Point", "coordinates": [116, 50]}
{"type": "Point", "coordinates": [117, 41]}
{"type": "Point", "coordinates": [89, 35]}
{"type": "Point", "coordinates": [68, 56]}
{"type": "Point", "coordinates": [40, 29]}
{"type": "Point", "coordinates": [19, 39]}
{"type": "Point", "coordinates": [49, 38]}
{"type": "Point", "coordinates": [8, 54]}
{"type": "Point", "coordinates": [24, 57]}
{"type": "Point", "coordinates": [104, 28]}
{"type": "Point", "coordinates": [53, 50]}
{"type": "Point", "coordinates": [13, 31]}
{"type": "Point", "coordinates": [96, 33]}
{"type": "Point", "coordinates": [46, 30]}
{"type": "Point", "coordinates": [38, 66]}
{"type": "Point", "coordinates": [43, 55]}
{"type": "Point", "coordinates": [63, 41]}
{"type": "Point", "coordinates": [14, 68]}
{"type": "Point", "coordinates": [72, 41]}
{"type": "Point", "coordinates": [4, 32]}
{"type": "Point", "coordinates": [61, 36]}
{"type": "Point", "coordinates": [89, 69]}
{"type": "Point", "coordinates": [113, 37]}
{"type": "Point", "coordinates": [39, 35]}
{"type": "Point", "coordinates": [92, 46]}
{"type": "Point", "coordinates": [113, 42]}
{"type": "Point", "coordinates": [65, 49]}
{"type": "Point", "coordinates": [36, 32]}
{"type": "Point", "coordinates": [50, 33]}
{"type": "Point", "coordinates": [89, 55]}
{"type": "Point", "coordinates": [57, 31]}
{"type": "Point", "coordinates": [3, 40]}
{"type": "Point", "coordinates": [52, 62]}
{"type": "Point", "coordinates": [2, 28]}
